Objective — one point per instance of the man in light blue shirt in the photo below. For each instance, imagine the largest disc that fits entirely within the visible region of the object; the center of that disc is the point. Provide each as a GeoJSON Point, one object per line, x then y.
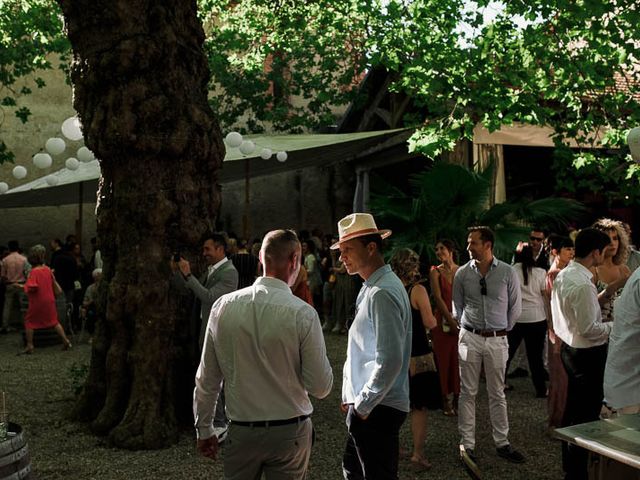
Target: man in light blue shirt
{"type": "Point", "coordinates": [486, 304]}
{"type": "Point", "coordinates": [375, 388]}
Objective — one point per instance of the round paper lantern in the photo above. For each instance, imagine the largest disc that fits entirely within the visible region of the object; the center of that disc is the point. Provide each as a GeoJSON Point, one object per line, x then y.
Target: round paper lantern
{"type": "Point", "coordinates": [266, 153]}
{"type": "Point", "coordinates": [247, 147]}
{"type": "Point", "coordinates": [71, 129]}
{"type": "Point", "coordinates": [233, 139]}
{"type": "Point", "coordinates": [42, 160]}
{"type": "Point", "coordinates": [19, 172]}
{"type": "Point", "coordinates": [281, 156]}
{"type": "Point", "coordinates": [52, 180]}
{"type": "Point", "coordinates": [4, 188]}
{"type": "Point", "coordinates": [85, 155]}
{"type": "Point", "coordinates": [633, 139]}
{"type": "Point", "coordinates": [72, 163]}
{"type": "Point", "coordinates": [55, 146]}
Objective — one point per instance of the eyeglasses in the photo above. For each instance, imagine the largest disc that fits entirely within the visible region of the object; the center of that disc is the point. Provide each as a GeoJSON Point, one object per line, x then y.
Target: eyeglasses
{"type": "Point", "coordinates": [536, 239]}
{"type": "Point", "coordinates": [483, 286]}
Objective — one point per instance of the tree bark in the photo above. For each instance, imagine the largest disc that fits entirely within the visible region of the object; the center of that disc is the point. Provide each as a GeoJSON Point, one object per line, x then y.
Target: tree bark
{"type": "Point", "coordinates": [140, 88]}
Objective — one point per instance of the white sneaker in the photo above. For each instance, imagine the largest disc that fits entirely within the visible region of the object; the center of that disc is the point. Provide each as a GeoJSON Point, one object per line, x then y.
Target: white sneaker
{"type": "Point", "coordinates": [221, 433]}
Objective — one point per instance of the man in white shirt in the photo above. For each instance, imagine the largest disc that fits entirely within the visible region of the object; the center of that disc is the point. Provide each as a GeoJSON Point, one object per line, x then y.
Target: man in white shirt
{"type": "Point", "coordinates": [268, 347]}
{"type": "Point", "coordinates": [622, 372]}
{"type": "Point", "coordinates": [577, 321]}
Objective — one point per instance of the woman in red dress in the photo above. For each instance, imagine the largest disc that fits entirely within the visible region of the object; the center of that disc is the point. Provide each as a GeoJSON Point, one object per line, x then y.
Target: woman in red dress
{"type": "Point", "coordinates": [41, 288]}
{"type": "Point", "coordinates": [445, 334]}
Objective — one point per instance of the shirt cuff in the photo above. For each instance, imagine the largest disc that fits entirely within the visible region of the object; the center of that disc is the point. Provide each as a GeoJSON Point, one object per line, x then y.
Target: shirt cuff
{"type": "Point", "coordinates": [203, 433]}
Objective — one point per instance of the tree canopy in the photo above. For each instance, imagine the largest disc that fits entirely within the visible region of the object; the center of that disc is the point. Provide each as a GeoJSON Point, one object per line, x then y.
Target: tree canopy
{"type": "Point", "coordinates": [571, 65]}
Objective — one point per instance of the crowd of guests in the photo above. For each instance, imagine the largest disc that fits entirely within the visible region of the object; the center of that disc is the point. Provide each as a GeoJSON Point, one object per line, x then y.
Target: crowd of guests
{"type": "Point", "coordinates": [418, 339]}
{"type": "Point", "coordinates": [421, 342]}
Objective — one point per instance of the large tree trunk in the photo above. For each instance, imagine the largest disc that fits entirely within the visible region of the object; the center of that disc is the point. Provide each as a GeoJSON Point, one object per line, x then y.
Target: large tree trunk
{"type": "Point", "coordinates": [140, 88]}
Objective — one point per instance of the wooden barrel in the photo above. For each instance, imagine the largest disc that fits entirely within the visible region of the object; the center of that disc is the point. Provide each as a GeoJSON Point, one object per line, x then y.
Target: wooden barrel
{"type": "Point", "coordinates": [15, 463]}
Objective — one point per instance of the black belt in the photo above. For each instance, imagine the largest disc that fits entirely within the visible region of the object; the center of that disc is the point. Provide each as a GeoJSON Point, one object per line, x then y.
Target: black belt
{"type": "Point", "coordinates": [271, 423]}
{"type": "Point", "coordinates": [486, 333]}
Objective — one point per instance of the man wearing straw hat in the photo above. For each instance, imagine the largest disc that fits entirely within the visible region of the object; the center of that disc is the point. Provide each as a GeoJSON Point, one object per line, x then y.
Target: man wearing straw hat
{"type": "Point", "coordinates": [375, 389]}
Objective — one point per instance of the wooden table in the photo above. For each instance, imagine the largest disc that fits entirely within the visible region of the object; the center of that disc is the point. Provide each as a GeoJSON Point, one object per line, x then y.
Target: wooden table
{"type": "Point", "coordinates": [613, 444]}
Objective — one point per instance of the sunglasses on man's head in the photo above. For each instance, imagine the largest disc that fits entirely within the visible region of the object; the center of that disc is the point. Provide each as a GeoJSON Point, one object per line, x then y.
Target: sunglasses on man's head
{"type": "Point", "coordinates": [536, 239]}
{"type": "Point", "coordinates": [483, 286]}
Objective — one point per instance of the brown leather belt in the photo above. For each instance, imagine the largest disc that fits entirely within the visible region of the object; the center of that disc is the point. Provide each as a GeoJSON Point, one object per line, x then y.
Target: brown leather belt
{"type": "Point", "coordinates": [271, 423]}
{"type": "Point", "coordinates": [486, 333]}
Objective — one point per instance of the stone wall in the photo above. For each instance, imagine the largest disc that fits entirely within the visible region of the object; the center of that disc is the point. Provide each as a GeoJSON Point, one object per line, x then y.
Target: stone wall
{"type": "Point", "coordinates": [34, 225]}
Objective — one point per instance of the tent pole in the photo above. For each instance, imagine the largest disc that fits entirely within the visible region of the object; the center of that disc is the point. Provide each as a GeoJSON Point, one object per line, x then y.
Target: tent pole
{"type": "Point", "coordinates": [247, 201]}
{"type": "Point", "coordinates": [79, 220]}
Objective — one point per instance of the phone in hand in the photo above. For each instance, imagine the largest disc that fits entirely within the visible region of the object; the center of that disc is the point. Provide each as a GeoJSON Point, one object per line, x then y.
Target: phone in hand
{"type": "Point", "coordinates": [176, 257]}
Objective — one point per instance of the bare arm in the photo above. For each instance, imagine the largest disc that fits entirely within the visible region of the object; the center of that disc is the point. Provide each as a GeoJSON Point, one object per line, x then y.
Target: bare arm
{"type": "Point", "coordinates": [420, 298]}
{"type": "Point", "coordinates": [434, 279]}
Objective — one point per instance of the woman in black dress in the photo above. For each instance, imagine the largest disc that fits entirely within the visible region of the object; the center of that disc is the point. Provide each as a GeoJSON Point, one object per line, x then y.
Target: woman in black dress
{"type": "Point", "coordinates": [424, 386]}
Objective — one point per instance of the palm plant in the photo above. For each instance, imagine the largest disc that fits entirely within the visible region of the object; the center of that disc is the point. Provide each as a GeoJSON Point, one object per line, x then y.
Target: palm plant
{"type": "Point", "coordinates": [446, 199]}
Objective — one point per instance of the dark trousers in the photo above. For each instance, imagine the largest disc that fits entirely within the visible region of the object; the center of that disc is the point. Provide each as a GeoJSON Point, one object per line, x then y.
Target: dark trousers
{"type": "Point", "coordinates": [533, 335]}
{"type": "Point", "coordinates": [372, 446]}
{"type": "Point", "coordinates": [585, 372]}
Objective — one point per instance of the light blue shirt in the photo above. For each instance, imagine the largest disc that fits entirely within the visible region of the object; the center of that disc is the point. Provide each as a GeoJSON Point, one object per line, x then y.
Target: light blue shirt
{"type": "Point", "coordinates": [499, 308]}
{"type": "Point", "coordinates": [622, 373]}
{"type": "Point", "coordinates": [376, 371]}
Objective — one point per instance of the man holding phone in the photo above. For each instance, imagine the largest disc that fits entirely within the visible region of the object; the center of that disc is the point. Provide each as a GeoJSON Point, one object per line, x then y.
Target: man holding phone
{"type": "Point", "coordinates": [220, 278]}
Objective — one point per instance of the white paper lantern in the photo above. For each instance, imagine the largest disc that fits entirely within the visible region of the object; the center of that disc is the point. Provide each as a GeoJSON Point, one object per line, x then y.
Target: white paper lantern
{"type": "Point", "coordinates": [72, 129]}
{"type": "Point", "coordinates": [42, 160]}
{"type": "Point", "coordinates": [85, 155]}
{"type": "Point", "coordinates": [72, 163]}
{"type": "Point", "coordinates": [247, 147]}
{"type": "Point", "coordinates": [4, 188]}
{"type": "Point", "coordinates": [52, 180]}
{"type": "Point", "coordinates": [233, 139]}
{"type": "Point", "coordinates": [19, 172]}
{"type": "Point", "coordinates": [633, 139]}
{"type": "Point", "coordinates": [266, 153]}
{"type": "Point", "coordinates": [281, 156]}
{"type": "Point", "coordinates": [55, 146]}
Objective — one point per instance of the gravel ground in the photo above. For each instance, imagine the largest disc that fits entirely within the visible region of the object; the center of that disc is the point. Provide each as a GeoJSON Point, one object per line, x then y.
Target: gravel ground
{"type": "Point", "coordinates": [40, 392]}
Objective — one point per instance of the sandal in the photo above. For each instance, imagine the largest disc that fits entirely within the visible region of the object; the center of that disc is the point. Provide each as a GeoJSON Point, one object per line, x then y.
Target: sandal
{"type": "Point", "coordinates": [26, 351]}
{"type": "Point", "coordinates": [67, 346]}
{"type": "Point", "coordinates": [420, 464]}
{"type": "Point", "coordinates": [449, 412]}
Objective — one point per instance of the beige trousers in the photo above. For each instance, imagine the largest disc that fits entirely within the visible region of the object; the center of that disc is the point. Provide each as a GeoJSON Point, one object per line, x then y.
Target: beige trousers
{"type": "Point", "coordinates": [280, 453]}
{"type": "Point", "coordinates": [474, 351]}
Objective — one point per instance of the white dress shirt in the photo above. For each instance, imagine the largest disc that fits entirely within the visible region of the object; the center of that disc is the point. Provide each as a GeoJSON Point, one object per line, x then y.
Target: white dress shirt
{"type": "Point", "coordinates": [622, 373]}
{"type": "Point", "coordinates": [577, 318]}
{"type": "Point", "coordinates": [532, 299]}
{"type": "Point", "coordinates": [267, 345]}
{"type": "Point", "coordinates": [215, 266]}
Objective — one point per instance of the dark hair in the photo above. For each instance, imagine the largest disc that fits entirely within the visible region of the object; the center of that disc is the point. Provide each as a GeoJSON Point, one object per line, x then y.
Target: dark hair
{"type": "Point", "coordinates": [311, 245]}
{"type": "Point", "coordinates": [558, 242]}
{"type": "Point", "coordinates": [486, 234]}
{"type": "Point", "coordinates": [590, 239]}
{"type": "Point", "coordinates": [449, 245]}
{"type": "Point", "coordinates": [217, 238]}
{"type": "Point", "coordinates": [14, 246]}
{"type": "Point", "coordinates": [57, 241]}
{"type": "Point", "coordinates": [374, 237]}
{"type": "Point", "coordinates": [524, 256]}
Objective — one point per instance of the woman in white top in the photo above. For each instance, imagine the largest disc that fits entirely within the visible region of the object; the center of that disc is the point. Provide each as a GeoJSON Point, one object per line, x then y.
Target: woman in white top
{"type": "Point", "coordinates": [532, 324]}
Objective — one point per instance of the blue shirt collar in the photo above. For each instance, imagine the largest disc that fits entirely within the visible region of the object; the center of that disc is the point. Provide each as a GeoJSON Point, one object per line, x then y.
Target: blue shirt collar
{"type": "Point", "coordinates": [377, 275]}
{"type": "Point", "coordinates": [494, 263]}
